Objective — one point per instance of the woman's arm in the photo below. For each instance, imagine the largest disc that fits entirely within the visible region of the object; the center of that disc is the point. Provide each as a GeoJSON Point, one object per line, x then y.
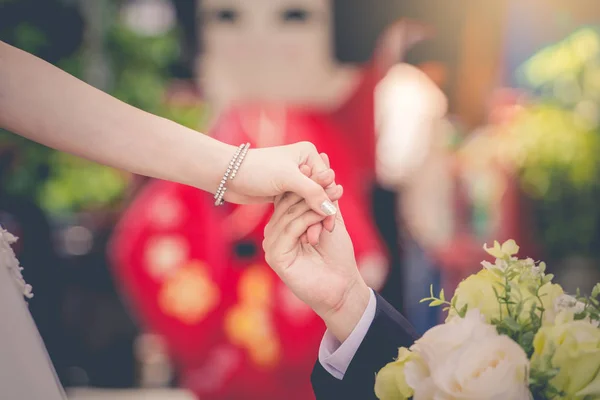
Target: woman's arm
{"type": "Point", "coordinates": [51, 107]}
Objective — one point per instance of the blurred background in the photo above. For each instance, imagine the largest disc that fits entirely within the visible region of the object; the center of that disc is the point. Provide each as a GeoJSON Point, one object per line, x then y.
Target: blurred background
{"type": "Point", "coordinates": [485, 125]}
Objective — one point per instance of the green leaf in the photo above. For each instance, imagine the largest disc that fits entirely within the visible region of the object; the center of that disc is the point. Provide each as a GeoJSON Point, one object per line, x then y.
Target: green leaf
{"type": "Point", "coordinates": [463, 311]}
{"type": "Point", "coordinates": [542, 266]}
{"type": "Point", "coordinates": [512, 324]}
{"type": "Point", "coordinates": [547, 279]}
{"type": "Point", "coordinates": [442, 295]}
{"type": "Point", "coordinates": [596, 290]}
{"type": "Point", "coordinates": [436, 303]}
{"type": "Point", "coordinates": [519, 308]}
{"type": "Point", "coordinates": [580, 316]}
{"type": "Point", "coordinates": [533, 316]}
{"type": "Point", "coordinates": [527, 337]}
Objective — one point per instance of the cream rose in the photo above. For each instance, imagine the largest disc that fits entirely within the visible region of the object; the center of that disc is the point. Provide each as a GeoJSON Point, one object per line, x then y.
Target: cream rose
{"type": "Point", "coordinates": [495, 368]}
{"type": "Point", "coordinates": [463, 359]}
{"type": "Point", "coordinates": [573, 347]}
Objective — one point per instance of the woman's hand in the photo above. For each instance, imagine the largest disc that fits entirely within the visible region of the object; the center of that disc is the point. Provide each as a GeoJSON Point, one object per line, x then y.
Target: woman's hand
{"type": "Point", "coordinates": [272, 171]}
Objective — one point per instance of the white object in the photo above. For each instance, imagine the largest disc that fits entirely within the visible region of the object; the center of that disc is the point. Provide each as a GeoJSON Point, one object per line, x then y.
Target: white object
{"type": "Point", "coordinates": [25, 368]}
{"type": "Point", "coordinates": [411, 152]}
{"type": "Point", "coordinates": [133, 394]}
{"type": "Point", "coordinates": [149, 17]}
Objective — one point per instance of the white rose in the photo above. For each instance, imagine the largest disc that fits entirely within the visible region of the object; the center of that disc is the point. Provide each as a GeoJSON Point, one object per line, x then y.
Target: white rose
{"type": "Point", "coordinates": [495, 368]}
{"type": "Point", "coordinates": [441, 340]}
{"type": "Point", "coordinates": [467, 359]}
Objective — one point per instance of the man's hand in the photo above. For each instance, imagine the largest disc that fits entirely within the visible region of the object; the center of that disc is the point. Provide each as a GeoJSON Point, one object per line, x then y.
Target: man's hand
{"type": "Point", "coordinates": [324, 276]}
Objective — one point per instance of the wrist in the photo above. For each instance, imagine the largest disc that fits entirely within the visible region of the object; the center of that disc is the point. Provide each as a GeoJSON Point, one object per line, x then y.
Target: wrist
{"type": "Point", "coordinates": [342, 319]}
{"type": "Point", "coordinates": [217, 156]}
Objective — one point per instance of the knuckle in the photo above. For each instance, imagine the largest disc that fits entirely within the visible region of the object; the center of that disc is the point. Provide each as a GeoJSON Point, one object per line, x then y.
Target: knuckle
{"type": "Point", "coordinates": [331, 191]}
{"type": "Point", "coordinates": [301, 223]}
{"type": "Point", "coordinates": [294, 226]}
{"type": "Point", "coordinates": [289, 203]}
{"type": "Point", "coordinates": [308, 146]}
{"type": "Point", "coordinates": [288, 228]}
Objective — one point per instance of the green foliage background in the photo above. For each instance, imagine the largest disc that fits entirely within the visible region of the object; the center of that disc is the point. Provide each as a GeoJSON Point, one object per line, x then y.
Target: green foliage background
{"type": "Point", "coordinates": [556, 144]}
{"type": "Point", "coordinates": [140, 69]}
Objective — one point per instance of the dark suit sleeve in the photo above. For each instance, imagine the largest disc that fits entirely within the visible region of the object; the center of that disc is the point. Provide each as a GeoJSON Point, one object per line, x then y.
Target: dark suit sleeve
{"type": "Point", "coordinates": [389, 331]}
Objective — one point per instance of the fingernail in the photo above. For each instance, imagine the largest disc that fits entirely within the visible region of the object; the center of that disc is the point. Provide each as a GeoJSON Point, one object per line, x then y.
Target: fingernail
{"type": "Point", "coordinates": [328, 208]}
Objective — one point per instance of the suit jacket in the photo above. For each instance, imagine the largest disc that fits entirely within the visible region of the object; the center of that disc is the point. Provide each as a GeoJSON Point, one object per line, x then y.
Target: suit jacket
{"type": "Point", "coordinates": [389, 331]}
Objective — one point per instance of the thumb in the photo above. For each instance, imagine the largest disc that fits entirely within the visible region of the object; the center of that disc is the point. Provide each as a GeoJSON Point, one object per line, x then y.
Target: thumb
{"type": "Point", "coordinates": [312, 192]}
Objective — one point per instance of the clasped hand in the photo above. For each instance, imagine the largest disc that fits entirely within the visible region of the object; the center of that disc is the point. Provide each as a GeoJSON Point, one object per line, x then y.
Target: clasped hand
{"type": "Point", "coordinates": [324, 275]}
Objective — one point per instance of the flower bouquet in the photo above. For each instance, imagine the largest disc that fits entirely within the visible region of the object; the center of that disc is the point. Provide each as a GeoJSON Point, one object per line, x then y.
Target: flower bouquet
{"type": "Point", "coordinates": [510, 334]}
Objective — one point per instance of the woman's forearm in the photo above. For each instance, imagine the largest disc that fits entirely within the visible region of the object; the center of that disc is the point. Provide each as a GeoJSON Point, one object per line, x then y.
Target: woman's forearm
{"type": "Point", "coordinates": [49, 106]}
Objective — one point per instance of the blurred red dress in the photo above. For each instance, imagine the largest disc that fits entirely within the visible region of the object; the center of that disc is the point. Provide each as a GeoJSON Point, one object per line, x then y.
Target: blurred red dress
{"type": "Point", "coordinates": [196, 274]}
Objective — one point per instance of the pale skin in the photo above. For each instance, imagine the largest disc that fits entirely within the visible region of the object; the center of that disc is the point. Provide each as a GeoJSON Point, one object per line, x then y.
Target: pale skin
{"type": "Point", "coordinates": [324, 276]}
{"type": "Point", "coordinates": [51, 107]}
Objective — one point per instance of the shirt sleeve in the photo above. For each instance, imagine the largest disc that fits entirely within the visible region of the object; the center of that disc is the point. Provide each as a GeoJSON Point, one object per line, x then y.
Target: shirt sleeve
{"type": "Point", "coordinates": [335, 357]}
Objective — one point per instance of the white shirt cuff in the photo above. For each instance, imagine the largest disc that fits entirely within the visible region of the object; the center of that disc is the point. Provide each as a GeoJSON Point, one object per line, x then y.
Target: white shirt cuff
{"type": "Point", "coordinates": [334, 356]}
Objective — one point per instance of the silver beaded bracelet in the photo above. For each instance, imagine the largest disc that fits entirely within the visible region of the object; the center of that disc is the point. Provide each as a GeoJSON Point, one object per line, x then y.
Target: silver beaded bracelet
{"type": "Point", "coordinates": [231, 172]}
